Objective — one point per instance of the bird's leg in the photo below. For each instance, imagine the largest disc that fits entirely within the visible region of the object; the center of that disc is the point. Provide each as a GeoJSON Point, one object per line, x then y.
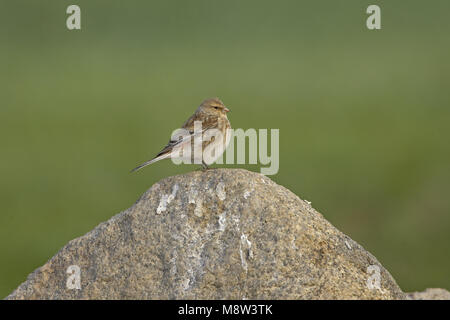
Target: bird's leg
{"type": "Point", "coordinates": [204, 166]}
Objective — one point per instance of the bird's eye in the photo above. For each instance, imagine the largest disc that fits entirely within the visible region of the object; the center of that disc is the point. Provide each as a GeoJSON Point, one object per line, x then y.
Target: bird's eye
{"type": "Point", "coordinates": [217, 108]}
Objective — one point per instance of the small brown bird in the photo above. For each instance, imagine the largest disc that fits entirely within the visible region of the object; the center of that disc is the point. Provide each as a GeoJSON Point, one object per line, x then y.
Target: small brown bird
{"type": "Point", "coordinates": [215, 135]}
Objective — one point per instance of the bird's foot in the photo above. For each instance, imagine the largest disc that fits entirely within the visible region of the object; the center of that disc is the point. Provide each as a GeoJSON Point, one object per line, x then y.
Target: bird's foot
{"type": "Point", "coordinates": [204, 166]}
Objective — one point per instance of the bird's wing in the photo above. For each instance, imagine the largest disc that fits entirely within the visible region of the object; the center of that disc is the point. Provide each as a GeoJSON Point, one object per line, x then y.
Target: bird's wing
{"type": "Point", "coordinates": [189, 125]}
{"type": "Point", "coordinates": [206, 122]}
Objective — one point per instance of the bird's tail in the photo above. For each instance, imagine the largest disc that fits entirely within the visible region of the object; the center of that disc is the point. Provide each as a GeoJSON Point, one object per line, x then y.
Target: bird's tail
{"type": "Point", "coordinates": [161, 157]}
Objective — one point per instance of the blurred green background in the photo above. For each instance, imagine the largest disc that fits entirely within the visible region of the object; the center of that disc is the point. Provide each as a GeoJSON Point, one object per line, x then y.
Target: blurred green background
{"type": "Point", "coordinates": [363, 115]}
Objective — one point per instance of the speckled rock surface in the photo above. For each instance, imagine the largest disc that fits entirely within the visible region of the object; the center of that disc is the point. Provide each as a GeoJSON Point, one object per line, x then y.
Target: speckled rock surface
{"type": "Point", "coordinates": [219, 234]}
{"type": "Point", "coordinates": [430, 294]}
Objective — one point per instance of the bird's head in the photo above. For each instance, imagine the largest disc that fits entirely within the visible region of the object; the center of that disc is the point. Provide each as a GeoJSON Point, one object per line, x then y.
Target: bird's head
{"type": "Point", "coordinates": [214, 106]}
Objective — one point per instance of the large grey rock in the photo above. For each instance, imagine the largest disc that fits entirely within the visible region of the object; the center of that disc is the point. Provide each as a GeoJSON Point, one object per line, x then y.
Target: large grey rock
{"type": "Point", "coordinates": [219, 234]}
{"type": "Point", "coordinates": [430, 294]}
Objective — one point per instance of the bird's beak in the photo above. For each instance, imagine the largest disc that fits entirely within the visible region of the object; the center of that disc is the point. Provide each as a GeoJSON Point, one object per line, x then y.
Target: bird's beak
{"type": "Point", "coordinates": [226, 109]}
